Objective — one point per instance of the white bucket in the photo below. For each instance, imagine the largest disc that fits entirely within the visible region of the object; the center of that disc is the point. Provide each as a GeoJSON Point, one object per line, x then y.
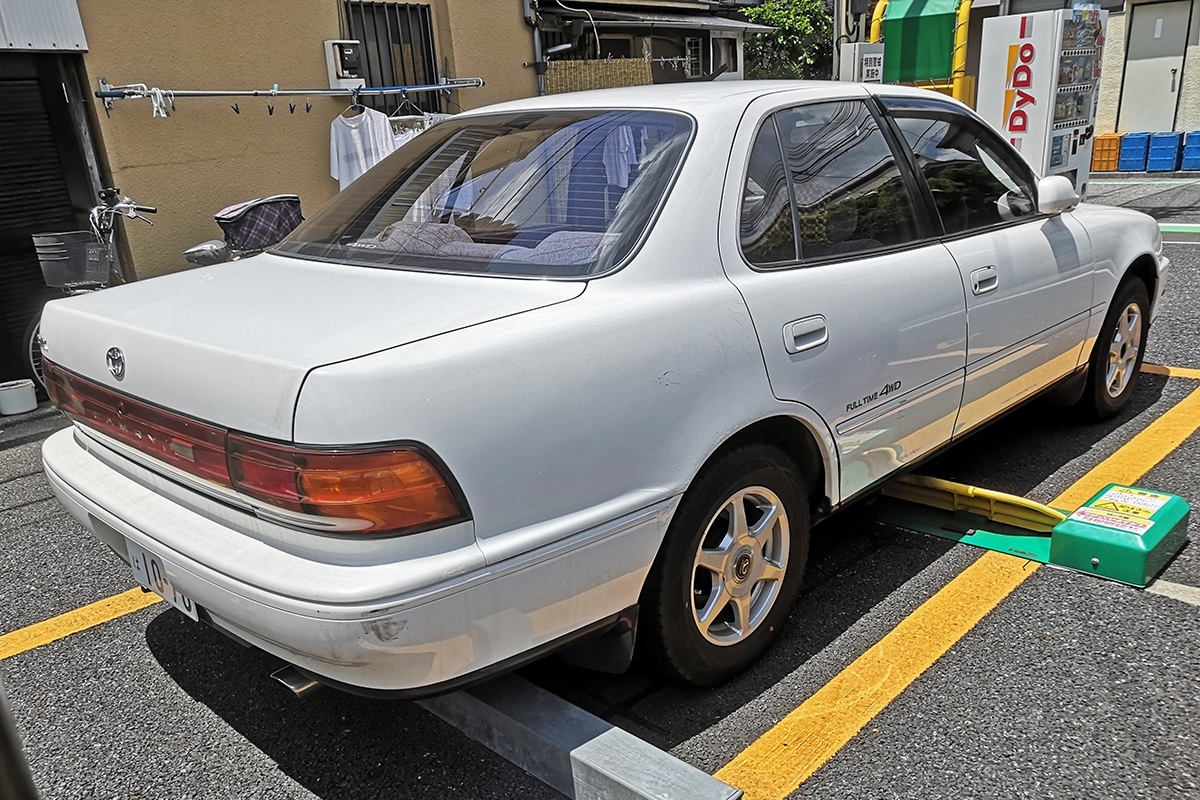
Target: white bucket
{"type": "Point", "coordinates": [17, 397]}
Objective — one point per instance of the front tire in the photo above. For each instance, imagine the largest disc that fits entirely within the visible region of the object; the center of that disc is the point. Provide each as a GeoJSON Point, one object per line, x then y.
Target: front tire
{"type": "Point", "coordinates": [1117, 356]}
{"type": "Point", "coordinates": [729, 569]}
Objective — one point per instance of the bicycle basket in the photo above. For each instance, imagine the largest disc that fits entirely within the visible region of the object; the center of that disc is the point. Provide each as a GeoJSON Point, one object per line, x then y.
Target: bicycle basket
{"type": "Point", "coordinates": [257, 224]}
{"type": "Point", "coordinates": [73, 257]}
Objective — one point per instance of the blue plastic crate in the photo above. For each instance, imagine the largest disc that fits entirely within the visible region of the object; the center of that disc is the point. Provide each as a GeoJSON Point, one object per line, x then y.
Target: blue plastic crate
{"type": "Point", "coordinates": [1164, 152]}
{"type": "Point", "coordinates": [1190, 161]}
{"type": "Point", "coordinates": [1163, 164]}
{"type": "Point", "coordinates": [1192, 139]}
{"type": "Point", "coordinates": [1166, 142]}
{"type": "Point", "coordinates": [1135, 148]}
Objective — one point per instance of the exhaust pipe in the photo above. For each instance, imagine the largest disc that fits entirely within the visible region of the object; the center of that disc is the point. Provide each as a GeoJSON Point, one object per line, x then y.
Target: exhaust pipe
{"type": "Point", "coordinates": [300, 684]}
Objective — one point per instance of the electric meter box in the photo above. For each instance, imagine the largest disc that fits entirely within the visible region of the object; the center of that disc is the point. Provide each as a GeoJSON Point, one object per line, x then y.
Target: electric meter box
{"type": "Point", "coordinates": [343, 60]}
{"type": "Point", "coordinates": [861, 62]}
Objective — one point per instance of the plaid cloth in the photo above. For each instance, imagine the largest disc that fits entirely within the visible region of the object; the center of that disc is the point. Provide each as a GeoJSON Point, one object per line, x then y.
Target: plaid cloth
{"type": "Point", "coordinates": [259, 223]}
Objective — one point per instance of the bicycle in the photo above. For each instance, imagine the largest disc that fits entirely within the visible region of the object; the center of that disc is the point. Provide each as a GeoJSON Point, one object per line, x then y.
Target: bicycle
{"type": "Point", "coordinates": [79, 262]}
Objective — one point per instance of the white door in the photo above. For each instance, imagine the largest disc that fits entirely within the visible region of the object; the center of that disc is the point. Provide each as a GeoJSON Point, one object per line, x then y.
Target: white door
{"type": "Point", "coordinates": [1153, 66]}
{"type": "Point", "coordinates": [859, 312]}
{"type": "Point", "coordinates": [1028, 277]}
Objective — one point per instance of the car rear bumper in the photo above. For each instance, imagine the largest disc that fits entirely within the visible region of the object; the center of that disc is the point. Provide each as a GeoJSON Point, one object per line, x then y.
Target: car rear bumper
{"type": "Point", "coordinates": [434, 636]}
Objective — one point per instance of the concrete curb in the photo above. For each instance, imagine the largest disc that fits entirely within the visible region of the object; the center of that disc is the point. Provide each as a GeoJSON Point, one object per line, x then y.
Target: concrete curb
{"type": "Point", "coordinates": [19, 429]}
{"type": "Point", "coordinates": [1143, 176]}
{"type": "Point", "coordinates": [568, 749]}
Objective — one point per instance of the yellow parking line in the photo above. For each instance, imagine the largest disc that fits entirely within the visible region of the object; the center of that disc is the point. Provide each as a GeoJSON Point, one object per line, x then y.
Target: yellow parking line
{"type": "Point", "coordinates": [788, 754]}
{"type": "Point", "coordinates": [80, 619]}
{"type": "Point", "coordinates": [1172, 372]}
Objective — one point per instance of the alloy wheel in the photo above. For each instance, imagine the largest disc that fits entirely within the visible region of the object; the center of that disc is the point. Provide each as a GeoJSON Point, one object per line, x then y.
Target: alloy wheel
{"type": "Point", "coordinates": [1123, 350]}
{"type": "Point", "coordinates": [739, 568]}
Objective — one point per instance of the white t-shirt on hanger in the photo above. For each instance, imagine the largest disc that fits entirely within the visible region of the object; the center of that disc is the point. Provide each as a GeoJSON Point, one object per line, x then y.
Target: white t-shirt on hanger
{"type": "Point", "coordinates": [358, 143]}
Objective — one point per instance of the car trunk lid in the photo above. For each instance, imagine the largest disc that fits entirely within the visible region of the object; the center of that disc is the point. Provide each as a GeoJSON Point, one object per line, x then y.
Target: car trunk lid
{"type": "Point", "coordinates": [231, 344]}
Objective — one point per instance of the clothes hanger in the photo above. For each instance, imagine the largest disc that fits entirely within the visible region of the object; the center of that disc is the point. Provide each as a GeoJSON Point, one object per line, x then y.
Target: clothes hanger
{"type": "Point", "coordinates": [416, 120]}
{"type": "Point", "coordinates": [354, 106]}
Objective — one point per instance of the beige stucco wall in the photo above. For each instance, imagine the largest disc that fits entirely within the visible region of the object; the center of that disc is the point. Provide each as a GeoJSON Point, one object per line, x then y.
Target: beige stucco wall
{"type": "Point", "coordinates": [1187, 117]}
{"type": "Point", "coordinates": [1111, 68]}
{"type": "Point", "coordinates": [205, 157]}
{"type": "Point", "coordinates": [485, 39]}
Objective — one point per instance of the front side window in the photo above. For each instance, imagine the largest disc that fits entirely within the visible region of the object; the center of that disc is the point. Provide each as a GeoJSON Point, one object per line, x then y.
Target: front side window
{"type": "Point", "coordinates": [975, 183]}
{"type": "Point", "coordinates": [546, 193]}
{"type": "Point", "coordinates": [848, 191]}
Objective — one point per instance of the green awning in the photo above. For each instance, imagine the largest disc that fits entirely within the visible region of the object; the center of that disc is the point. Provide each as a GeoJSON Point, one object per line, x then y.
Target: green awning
{"type": "Point", "coordinates": [918, 37]}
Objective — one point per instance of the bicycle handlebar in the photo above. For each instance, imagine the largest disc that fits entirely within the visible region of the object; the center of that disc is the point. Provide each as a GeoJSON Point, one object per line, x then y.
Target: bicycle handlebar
{"type": "Point", "coordinates": [146, 209]}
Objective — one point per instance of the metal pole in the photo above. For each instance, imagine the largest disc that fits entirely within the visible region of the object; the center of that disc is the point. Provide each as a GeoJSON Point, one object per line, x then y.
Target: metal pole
{"type": "Point", "coordinates": [16, 782]}
{"type": "Point", "coordinates": [839, 12]}
{"type": "Point", "coordinates": [109, 92]}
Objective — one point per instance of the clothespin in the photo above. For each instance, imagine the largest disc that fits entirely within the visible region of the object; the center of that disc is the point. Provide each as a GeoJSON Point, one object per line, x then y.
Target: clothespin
{"type": "Point", "coordinates": [235, 108]}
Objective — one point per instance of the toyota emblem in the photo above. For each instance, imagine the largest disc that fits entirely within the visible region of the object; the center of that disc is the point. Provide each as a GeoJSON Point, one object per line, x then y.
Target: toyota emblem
{"type": "Point", "coordinates": [116, 362]}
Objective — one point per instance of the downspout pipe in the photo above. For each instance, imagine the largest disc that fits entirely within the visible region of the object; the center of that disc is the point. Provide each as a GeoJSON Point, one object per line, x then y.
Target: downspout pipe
{"type": "Point", "coordinates": [539, 58]}
{"type": "Point", "coordinates": [962, 24]}
{"type": "Point", "coordinates": [877, 21]}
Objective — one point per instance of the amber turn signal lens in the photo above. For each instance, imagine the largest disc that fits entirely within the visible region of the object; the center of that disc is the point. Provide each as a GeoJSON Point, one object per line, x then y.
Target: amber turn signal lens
{"type": "Point", "coordinates": [384, 490]}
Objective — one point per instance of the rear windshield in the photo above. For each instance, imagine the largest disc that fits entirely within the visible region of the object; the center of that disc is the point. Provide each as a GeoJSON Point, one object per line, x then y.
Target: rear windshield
{"type": "Point", "coordinates": [546, 194]}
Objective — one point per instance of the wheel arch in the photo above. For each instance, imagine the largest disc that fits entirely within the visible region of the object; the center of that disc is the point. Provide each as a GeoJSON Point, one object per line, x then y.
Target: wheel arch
{"type": "Point", "coordinates": [798, 440]}
{"type": "Point", "coordinates": [1145, 268]}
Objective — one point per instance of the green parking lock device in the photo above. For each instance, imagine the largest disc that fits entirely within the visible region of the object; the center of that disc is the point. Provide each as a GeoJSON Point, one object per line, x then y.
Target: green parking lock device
{"type": "Point", "coordinates": [1124, 533]}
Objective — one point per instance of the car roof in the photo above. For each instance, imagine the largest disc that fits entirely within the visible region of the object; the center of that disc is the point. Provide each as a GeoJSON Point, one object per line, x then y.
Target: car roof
{"type": "Point", "coordinates": [700, 99]}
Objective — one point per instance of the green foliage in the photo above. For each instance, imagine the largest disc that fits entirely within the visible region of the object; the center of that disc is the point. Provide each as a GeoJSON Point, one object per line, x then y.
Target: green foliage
{"type": "Point", "coordinates": [802, 45]}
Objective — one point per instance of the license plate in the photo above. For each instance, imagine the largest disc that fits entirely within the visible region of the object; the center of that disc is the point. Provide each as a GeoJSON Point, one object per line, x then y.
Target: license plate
{"type": "Point", "coordinates": [155, 574]}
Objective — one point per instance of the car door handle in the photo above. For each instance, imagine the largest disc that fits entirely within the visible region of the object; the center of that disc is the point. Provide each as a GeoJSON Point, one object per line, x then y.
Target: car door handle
{"type": "Point", "coordinates": [984, 280]}
{"type": "Point", "coordinates": [805, 334]}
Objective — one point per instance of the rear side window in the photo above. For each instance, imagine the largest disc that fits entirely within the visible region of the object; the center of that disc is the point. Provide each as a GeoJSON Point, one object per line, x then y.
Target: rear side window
{"type": "Point", "coordinates": [848, 191]}
{"type": "Point", "coordinates": [768, 234]}
{"type": "Point", "coordinates": [548, 194]}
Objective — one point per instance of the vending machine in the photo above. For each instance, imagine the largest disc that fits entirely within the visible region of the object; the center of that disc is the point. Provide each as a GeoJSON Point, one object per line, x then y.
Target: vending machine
{"type": "Point", "coordinates": [1039, 85]}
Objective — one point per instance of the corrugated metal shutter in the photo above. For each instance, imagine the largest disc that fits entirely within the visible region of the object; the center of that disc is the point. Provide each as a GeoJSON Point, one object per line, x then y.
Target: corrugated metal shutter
{"type": "Point", "coordinates": [41, 25]}
{"type": "Point", "coordinates": [33, 198]}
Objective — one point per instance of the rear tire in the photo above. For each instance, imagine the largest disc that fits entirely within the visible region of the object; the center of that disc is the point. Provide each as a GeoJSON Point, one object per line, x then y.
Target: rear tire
{"type": "Point", "coordinates": [1117, 356]}
{"type": "Point", "coordinates": [729, 569]}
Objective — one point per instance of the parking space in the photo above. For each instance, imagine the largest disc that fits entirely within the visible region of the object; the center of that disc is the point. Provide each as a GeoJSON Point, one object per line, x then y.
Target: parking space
{"type": "Point", "coordinates": [1060, 684]}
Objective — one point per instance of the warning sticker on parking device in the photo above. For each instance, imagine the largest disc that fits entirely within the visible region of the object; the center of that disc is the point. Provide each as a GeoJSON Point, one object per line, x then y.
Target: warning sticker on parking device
{"type": "Point", "coordinates": [1133, 502]}
{"type": "Point", "coordinates": [1111, 519]}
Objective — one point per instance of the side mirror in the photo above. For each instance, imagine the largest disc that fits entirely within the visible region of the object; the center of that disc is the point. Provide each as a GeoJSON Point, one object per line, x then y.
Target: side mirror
{"type": "Point", "coordinates": [1055, 195]}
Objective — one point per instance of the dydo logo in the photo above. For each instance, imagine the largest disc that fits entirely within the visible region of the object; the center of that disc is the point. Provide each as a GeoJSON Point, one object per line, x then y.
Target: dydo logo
{"type": "Point", "coordinates": [1017, 94]}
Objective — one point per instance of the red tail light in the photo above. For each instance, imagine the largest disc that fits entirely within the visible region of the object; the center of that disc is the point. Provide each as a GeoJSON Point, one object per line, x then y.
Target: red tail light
{"type": "Point", "coordinates": [185, 444]}
{"type": "Point", "coordinates": [381, 490]}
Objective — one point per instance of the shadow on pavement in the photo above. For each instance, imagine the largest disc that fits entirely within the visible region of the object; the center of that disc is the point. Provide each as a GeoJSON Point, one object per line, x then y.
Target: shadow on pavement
{"type": "Point", "coordinates": [336, 745]}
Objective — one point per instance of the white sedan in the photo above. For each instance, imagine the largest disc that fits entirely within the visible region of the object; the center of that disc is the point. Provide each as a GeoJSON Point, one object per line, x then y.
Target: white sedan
{"type": "Point", "coordinates": [580, 370]}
